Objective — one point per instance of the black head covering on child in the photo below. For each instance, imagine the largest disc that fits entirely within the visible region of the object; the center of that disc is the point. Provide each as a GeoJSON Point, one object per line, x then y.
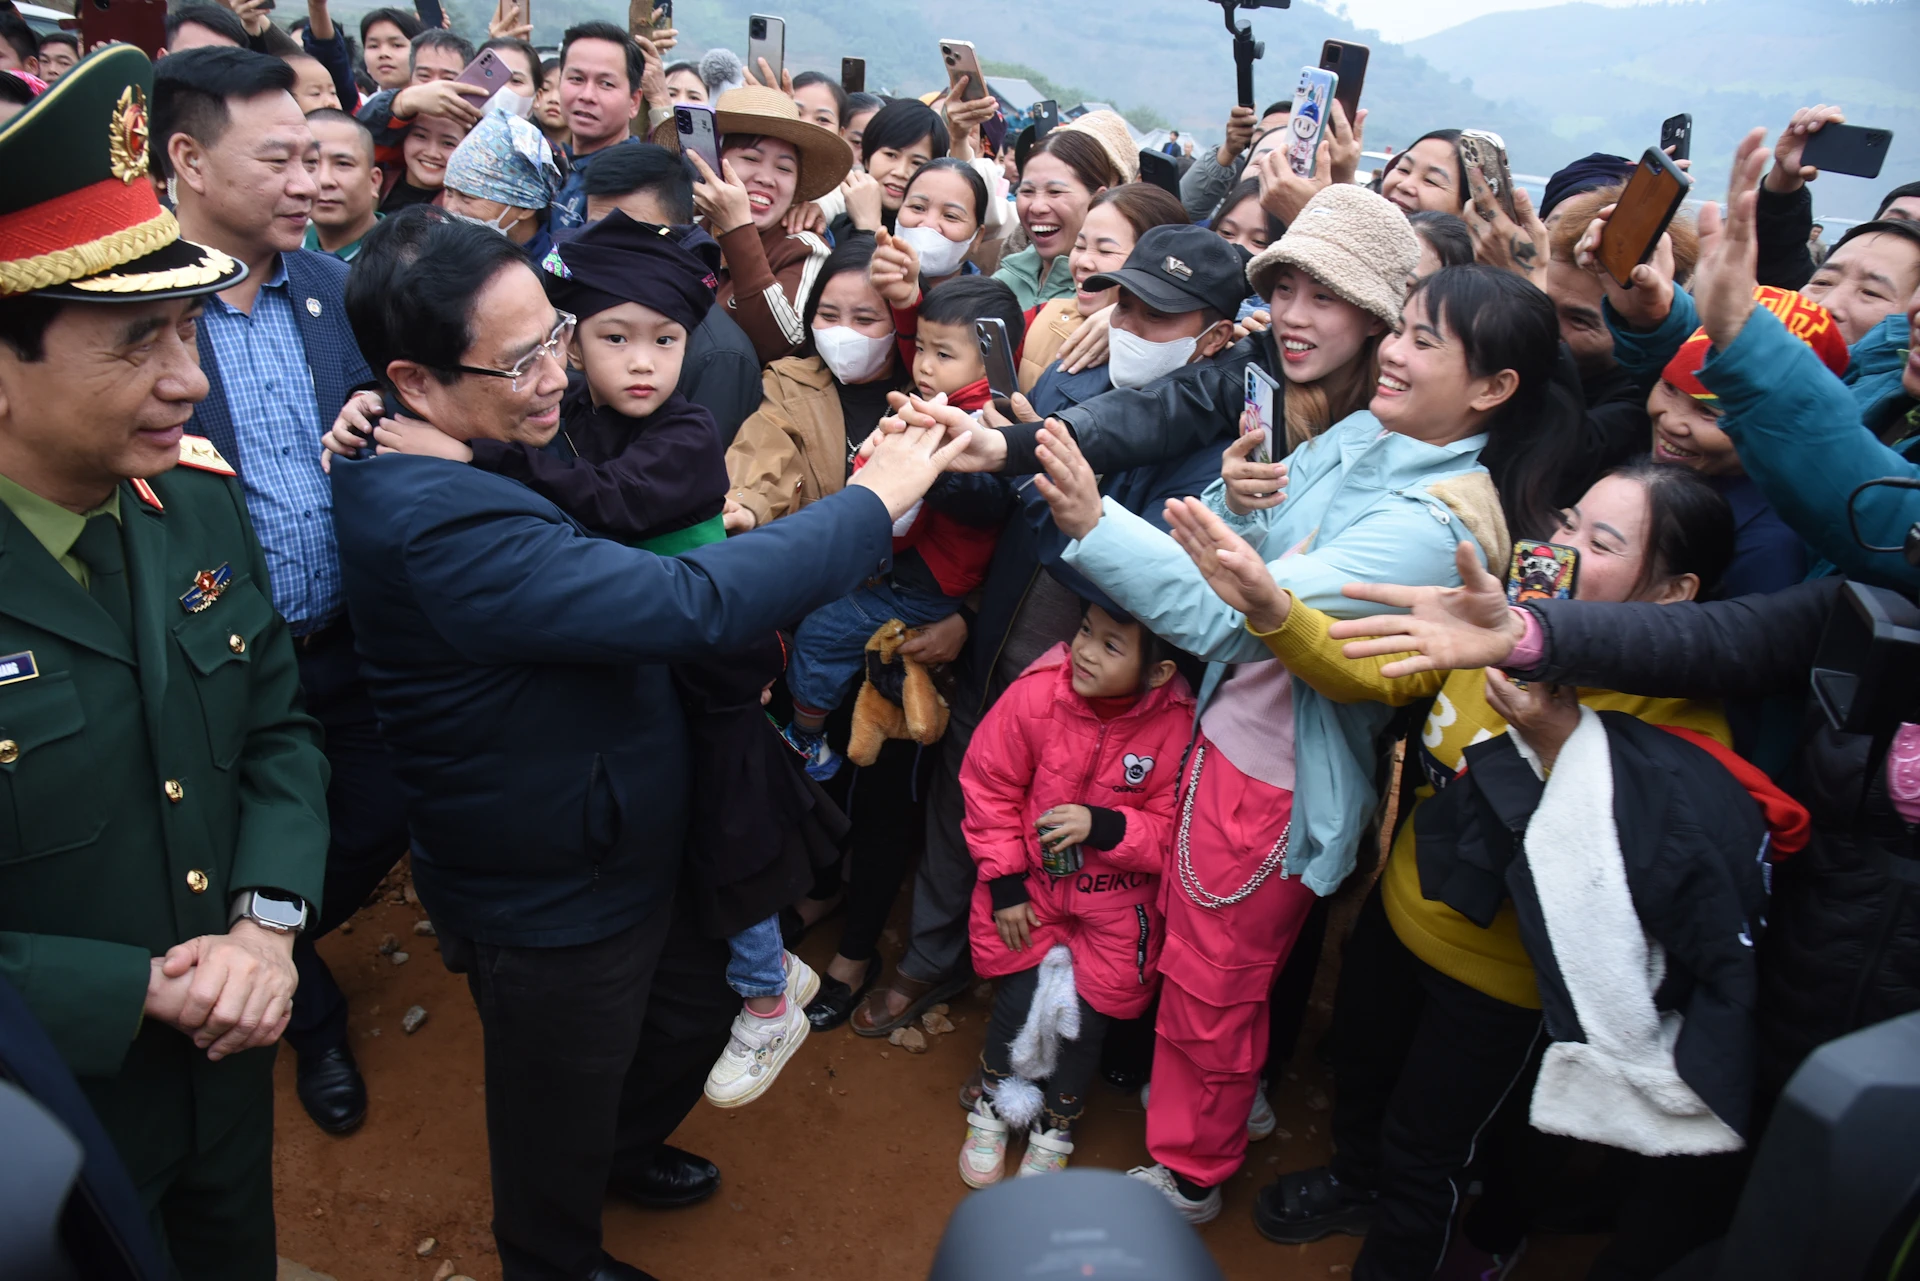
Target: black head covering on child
{"type": "Point", "coordinates": [620, 260]}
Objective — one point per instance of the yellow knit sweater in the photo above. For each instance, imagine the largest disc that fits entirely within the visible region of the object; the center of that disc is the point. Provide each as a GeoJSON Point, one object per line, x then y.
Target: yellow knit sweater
{"type": "Point", "coordinates": [1490, 960]}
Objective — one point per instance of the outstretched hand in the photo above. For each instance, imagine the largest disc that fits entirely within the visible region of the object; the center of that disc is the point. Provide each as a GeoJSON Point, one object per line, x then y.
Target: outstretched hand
{"type": "Point", "coordinates": [1235, 571]}
{"type": "Point", "coordinates": [1069, 485]}
{"type": "Point", "coordinates": [903, 465]}
{"type": "Point", "coordinates": [1723, 283]}
{"type": "Point", "coordinates": [1445, 627]}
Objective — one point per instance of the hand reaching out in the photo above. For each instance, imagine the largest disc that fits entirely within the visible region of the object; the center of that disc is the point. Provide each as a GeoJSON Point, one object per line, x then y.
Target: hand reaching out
{"type": "Point", "coordinates": [1445, 627]}
{"type": "Point", "coordinates": [1723, 283]}
{"type": "Point", "coordinates": [894, 270]}
{"type": "Point", "coordinates": [1251, 486]}
{"type": "Point", "coordinates": [1344, 142]}
{"type": "Point", "coordinates": [1069, 485]}
{"type": "Point", "coordinates": [1788, 175]}
{"type": "Point", "coordinates": [1235, 571]}
{"type": "Point", "coordinates": [904, 464]}
{"type": "Point", "coordinates": [965, 119]}
{"type": "Point", "coordinates": [509, 22]}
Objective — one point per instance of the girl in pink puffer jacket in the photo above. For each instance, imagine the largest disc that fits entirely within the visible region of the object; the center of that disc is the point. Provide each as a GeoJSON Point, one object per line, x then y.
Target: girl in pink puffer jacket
{"type": "Point", "coordinates": [1069, 785]}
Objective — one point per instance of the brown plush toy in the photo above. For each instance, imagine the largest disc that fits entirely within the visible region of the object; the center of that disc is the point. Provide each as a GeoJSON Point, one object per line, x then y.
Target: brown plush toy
{"type": "Point", "coordinates": [897, 698]}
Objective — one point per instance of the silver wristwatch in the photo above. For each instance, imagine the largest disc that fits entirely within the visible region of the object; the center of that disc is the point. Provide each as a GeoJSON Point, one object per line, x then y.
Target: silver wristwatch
{"type": "Point", "coordinates": [271, 910]}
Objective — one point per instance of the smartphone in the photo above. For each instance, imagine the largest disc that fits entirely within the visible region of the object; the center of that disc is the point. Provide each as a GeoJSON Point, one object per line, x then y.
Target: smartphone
{"type": "Point", "coordinates": [1348, 62]}
{"type": "Point", "coordinates": [1542, 571]}
{"type": "Point", "coordinates": [853, 75]}
{"type": "Point", "coordinates": [489, 71]}
{"type": "Point", "coordinates": [693, 122]}
{"type": "Point", "coordinates": [432, 17]}
{"type": "Point", "coordinates": [1847, 149]}
{"type": "Point", "coordinates": [140, 23]}
{"type": "Point", "coordinates": [1162, 171]}
{"type": "Point", "coordinates": [1046, 118]}
{"type": "Point", "coordinates": [767, 38]}
{"type": "Point", "coordinates": [1654, 194]}
{"type": "Point", "coordinates": [960, 60]}
{"type": "Point", "coordinates": [662, 14]}
{"type": "Point", "coordinates": [1676, 136]}
{"type": "Point", "coordinates": [997, 354]}
{"type": "Point", "coordinates": [1487, 152]}
{"type": "Point", "coordinates": [1262, 396]}
{"type": "Point", "coordinates": [1309, 119]}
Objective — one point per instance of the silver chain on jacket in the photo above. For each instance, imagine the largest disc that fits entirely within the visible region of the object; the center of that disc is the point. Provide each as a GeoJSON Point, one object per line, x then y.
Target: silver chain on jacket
{"type": "Point", "coordinates": [1190, 882]}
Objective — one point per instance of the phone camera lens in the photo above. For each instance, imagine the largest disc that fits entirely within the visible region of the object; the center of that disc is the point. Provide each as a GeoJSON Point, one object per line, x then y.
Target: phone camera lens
{"type": "Point", "coordinates": [757, 29]}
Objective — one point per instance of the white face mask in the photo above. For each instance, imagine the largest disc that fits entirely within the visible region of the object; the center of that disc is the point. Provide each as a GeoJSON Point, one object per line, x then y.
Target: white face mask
{"type": "Point", "coordinates": [851, 355]}
{"type": "Point", "coordinates": [938, 255]}
{"type": "Point", "coordinates": [503, 224]}
{"type": "Point", "coordinates": [1132, 361]}
{"type": "Point", "coordinates": [514, 104]}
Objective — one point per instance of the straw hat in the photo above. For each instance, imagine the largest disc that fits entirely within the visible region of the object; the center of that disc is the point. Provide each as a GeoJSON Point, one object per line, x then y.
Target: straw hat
{"type": "Point", "coordinates": [1355, 243]}
{"type": "Point", "coordinates": [825, 156]}
{"type": "Point", "coordinates": [1111, 132]}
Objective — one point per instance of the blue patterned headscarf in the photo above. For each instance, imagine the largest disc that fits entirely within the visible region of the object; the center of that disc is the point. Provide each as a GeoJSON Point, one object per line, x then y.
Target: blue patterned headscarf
{"type": "Point", "coordinates": [507, 160]}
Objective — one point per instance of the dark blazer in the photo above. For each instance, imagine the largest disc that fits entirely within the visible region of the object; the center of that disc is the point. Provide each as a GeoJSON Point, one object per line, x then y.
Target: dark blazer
{"type": "Point", "coordinates": [313, 279]}
{"type": "Point", "coordinates": [518, 668]}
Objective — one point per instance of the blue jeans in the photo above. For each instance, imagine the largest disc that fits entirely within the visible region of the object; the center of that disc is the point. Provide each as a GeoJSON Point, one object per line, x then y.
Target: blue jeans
{"type": "Point", "coordinates": [756, 964]}
{"type": "Point", "coordinates": [830, 643]}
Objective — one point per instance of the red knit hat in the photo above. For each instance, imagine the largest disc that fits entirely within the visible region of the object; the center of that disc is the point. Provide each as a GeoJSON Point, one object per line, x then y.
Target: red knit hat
{"type": "Point", "coordinates": [1805, 319]}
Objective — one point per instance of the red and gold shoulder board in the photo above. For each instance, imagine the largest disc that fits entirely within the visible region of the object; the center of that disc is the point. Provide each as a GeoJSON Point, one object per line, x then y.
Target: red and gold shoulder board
{"type": "Point", "coordinates": [198, 452]}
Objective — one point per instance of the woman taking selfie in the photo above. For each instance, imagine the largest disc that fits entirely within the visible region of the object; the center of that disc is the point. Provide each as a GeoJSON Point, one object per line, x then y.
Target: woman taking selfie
{"type": "Point", "coordinates": [1064, 172]}
{"type": "Point", "coordinates": [1272, 819]}
{"type": "Point", "coordinates": [769, 158]}
{"type": "Point", "coordinates": [1429, 175]}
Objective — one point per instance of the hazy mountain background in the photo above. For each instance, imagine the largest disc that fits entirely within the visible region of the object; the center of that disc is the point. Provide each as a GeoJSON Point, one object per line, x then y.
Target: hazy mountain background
{"type": "Point", "coordinates": [1556, 83]}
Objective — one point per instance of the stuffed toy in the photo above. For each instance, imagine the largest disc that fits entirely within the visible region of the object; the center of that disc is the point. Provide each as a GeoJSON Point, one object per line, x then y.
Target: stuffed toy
{"type": "Point", "coordinates": [897, 698]}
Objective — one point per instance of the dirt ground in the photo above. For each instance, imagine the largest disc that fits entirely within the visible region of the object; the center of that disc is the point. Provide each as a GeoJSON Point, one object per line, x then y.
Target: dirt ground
{"type": "Point", "coordinates": [844, 1170]}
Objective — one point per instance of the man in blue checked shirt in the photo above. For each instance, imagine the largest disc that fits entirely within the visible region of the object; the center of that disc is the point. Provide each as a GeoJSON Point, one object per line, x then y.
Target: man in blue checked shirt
{"type": "Point", "coordinates": [281, 359]}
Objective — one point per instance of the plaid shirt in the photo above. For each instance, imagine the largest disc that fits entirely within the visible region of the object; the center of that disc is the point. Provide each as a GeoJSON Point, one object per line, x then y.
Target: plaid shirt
{"type": "Point", "coordinates": [276, 419]}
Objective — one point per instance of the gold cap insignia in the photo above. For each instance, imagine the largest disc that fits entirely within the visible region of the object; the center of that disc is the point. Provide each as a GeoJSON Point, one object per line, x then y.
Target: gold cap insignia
{"type": "Point", "coordinates": [127, 141]}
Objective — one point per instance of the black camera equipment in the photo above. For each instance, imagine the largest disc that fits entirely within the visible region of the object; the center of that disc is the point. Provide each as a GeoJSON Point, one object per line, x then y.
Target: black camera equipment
{"type": "Point", "coordinates": [1246, 50]}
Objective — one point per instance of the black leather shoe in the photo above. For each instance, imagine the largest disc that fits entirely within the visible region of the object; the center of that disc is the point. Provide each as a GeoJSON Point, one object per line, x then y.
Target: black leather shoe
{"type": "Point", "coordinates": [672, 1178]}
{"type": "Point", "coordinates": [332, 1091]}
{"type": "Point", "coordinates": [611, 1269]}
{"type": "Point", "coordinates": [834, 1005]}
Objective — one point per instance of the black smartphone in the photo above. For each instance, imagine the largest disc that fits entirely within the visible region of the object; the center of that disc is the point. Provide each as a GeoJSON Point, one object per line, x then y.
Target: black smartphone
{"type": "Point", "coordinates": [1046, 118]}
{"type": "Point", "coordinates": [1654, 194]}
{"type": "Point", "coordinates": [1676, 136]}
{"type": "Point", "coordinates": [432, 17]}
{"type": "Point", "coordinates": [1162, 171]}
{"type": "Point", "coordinates": [853, 75]}
{"type": "Point", "coordinates": [1348, 61]}
{"type": "Point", "coordinates": [996, 353]}
{"type": "Point", "coordinates": [1847, 149]}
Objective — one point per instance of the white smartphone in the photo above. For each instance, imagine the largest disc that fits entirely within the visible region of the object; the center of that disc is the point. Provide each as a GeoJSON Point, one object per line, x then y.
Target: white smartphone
{"type": "Point", "coordinates": [1258, 416]}
{"type": "Point", "coordinates": [693, 122]}
{"type": "Point", "coordinates": [1311, 99]}
{"type": "Point", "coordinates": [767, 38]}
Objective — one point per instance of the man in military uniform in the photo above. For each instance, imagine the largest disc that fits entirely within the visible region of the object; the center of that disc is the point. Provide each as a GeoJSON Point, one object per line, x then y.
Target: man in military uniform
{"type": "Point", "coordinates": [163, 828]}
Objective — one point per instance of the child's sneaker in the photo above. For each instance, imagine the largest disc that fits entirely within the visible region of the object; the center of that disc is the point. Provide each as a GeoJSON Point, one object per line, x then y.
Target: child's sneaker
{"type": "Point", "coordinates": [1204, 1210]}
{"type": "Point", "coordinates": [822, 761]}
{"type": "Point", "coordinates": [1261, 1122]}
{"type": "Point", "coordinates": [1047, 1153]}
{"type": "Point", "coordinates": [802, 983]}
{"type": "Point", "coordinates": [983, 1157]}
{"type": "Point", "coordinates": [755, 1053]}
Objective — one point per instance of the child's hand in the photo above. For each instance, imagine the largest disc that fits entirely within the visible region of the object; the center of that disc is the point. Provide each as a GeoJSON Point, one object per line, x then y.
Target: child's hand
{"type": "Point", "coordinates": [1071, 825]}
{"type": "Point", "coordinates": [410, 437]}
{"type": "Point", "coordinates": [1016, 925]}
{"type": "Point", "coordinates": [894, 271]}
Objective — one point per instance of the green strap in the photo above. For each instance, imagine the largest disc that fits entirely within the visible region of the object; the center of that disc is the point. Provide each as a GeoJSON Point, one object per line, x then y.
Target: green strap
{"type": "Point", "coordinates": [685, 540]}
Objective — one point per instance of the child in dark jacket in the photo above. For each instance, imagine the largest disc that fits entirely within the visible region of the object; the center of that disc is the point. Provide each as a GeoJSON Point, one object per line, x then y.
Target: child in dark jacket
{"type": "Point", "coordinates": [942, 546]}
{"type": "Point", "coordinates": [1070, 784]}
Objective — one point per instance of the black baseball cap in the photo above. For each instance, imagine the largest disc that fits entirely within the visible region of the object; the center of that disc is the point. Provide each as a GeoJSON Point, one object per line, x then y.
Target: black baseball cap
{"type": "Point", "coordinates": [1179, 268]}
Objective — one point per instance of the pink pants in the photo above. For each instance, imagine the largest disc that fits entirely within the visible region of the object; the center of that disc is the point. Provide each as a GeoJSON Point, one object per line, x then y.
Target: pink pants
{"type": "Point", "coordinates": [1217, 971]}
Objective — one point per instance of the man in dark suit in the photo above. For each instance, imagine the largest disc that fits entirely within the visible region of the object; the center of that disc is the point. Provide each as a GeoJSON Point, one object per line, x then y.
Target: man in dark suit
{"type": "Point", "coordinates": [280, 361]}
{"type": "Point", "coordinates": [519, 668]}
{"type": "Point", "coordinates": [165, 833]}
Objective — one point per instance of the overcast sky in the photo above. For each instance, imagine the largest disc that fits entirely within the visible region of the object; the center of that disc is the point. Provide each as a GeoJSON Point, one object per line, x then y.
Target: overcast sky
{"type": "Point", "coordinates": [1403, 20]}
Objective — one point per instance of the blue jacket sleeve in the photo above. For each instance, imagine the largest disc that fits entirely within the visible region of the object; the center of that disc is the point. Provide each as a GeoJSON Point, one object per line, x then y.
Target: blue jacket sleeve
{"type": "Point", "coordinates": [505, 581]}
{"type": "Point", "coordinates": [1798, 431]}
{"type": "Point", "coordinates": [377, 115]}
{"type": "Point", "coordinates": [332, 54]}
{"type": "Point", "coordinates": [972, 498]}
{"type": "Point", "coordinates": [1643, 355]}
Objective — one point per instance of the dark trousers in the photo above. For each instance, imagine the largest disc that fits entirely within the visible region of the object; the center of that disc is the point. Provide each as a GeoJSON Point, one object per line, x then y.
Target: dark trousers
{"type": "Point", "coordinates": [368, 814]}
{"type": "Point", "coordinates": [212, 1210]}
{"type": "Point", "coordinates": [594, 1055]}
{"type": "Point", "coordinates": [884, 803]}
{"type": "Point", "coordinates": [1422, 1065]}
{"type": "Point", "coordinates": [1066, 1090]}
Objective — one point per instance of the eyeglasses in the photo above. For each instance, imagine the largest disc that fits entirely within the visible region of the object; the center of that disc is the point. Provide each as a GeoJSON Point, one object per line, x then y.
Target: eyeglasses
{"type": "Point", "coordinates": [551, 349]}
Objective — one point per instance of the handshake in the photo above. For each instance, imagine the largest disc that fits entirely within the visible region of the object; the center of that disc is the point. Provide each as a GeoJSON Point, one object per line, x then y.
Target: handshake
{"type": "Point", "coordinates": [922, 438]}
{"type": "Point", "coordinates": [229, 992]}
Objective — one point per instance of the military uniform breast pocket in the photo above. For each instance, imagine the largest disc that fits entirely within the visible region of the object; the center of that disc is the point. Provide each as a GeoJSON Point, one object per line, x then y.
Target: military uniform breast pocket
{"type": "Point", "coordinates": [219, 643]}
{"type": "Point", "coordinates": [43, 751]}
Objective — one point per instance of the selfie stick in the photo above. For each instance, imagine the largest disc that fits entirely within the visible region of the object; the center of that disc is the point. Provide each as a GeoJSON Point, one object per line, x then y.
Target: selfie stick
{"type": "Point", "coordinates": [1245, 48]}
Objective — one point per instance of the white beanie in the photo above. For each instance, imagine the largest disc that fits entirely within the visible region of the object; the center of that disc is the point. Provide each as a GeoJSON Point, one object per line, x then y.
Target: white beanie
{"type": "Point", "coordinates": [1355, 243]}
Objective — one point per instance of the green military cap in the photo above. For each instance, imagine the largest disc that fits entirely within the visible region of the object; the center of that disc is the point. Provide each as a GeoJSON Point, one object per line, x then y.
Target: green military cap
{"type": "Point", "coordinates": [79, 218]}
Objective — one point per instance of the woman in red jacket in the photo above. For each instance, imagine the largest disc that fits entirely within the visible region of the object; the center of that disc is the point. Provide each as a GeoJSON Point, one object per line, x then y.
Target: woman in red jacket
{"type": "Point", "coordinates": [1069, 786]}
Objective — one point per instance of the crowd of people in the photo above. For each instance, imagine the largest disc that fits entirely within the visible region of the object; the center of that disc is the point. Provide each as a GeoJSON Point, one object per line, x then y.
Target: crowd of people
{"type": "Point", "coordinates": [668, 558]}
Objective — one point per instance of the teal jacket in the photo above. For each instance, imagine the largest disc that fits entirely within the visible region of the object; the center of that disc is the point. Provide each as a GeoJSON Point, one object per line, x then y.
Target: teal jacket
{"type": "Point", "coordinates": [1360, 506]}
{"type": "Point", "coordinates": [1807, 438]}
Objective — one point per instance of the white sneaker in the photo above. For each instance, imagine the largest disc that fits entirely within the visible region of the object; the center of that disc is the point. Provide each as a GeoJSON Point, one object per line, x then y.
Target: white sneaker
{"type": "Point", "coordinates": [802, 983]}
{"type": "Point", "coordinates": [983, 1157]}
{"type": "Point", "coordinates": [1261, 1123]}
{"type": "Point", "coordinates": [1205, 1210]}
{"type": "Point", "coordinates": [1047, 1153]}
{"type": "Point", "coordinates": [755, 1053]}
